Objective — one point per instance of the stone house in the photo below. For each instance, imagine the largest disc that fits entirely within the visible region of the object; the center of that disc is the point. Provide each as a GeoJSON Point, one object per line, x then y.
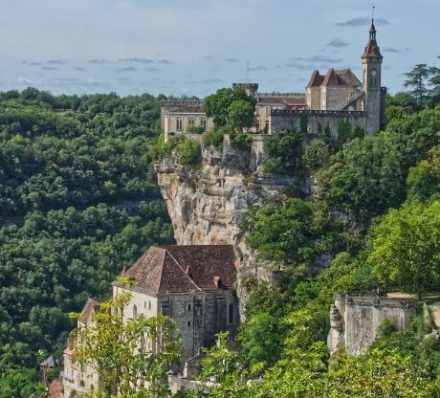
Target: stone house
{"type": "Point", "coordinates": [193, 285]}
{"type": "Point", "coordinates": [79, 379]}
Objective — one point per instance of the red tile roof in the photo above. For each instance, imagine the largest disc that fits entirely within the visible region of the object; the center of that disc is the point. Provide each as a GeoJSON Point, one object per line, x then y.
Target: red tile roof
{"type": "Point", "coordinates": [334, 77]}
{"type": "Point", "coordinates": [183, 269]}
{"type": "Point", "coordinates": [55, 388]}
{"type": "Point", "coordinates": [315, 80]}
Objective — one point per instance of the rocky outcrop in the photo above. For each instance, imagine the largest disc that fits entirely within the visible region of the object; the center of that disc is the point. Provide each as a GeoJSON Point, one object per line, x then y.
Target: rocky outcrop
{"type": "Point", "coordinates": [206, 203]}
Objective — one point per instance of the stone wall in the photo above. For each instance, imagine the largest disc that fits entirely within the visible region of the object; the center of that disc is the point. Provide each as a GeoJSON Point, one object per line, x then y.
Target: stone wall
{"type": "Point", "coordinates": [318, 121]}
{"type": "Point", "coordinates": [355, 319]}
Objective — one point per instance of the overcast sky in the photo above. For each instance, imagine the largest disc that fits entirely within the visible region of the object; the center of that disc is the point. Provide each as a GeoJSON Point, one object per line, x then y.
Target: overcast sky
{"type": "Point", "coordinates": [196, 46]}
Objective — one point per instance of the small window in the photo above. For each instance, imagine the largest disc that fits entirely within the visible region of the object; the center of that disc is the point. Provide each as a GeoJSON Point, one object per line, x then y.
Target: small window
{"type": "Point", "coordinates": [189, 307]}
{"type": "Point", "coordinates": [203, 122]}
{"type": "Point", "coordinates": [189, 324]}
{"type": "Point", "coordinates": [135, 312]}
{"type": "Point", "coordinates": [179, 123]}
{"type": "Point", "coordinates": [145, 305]}
{"type": "Point", "coordinates": [149, 305]}
{"type": "Point", "coordinates": [191, 121]}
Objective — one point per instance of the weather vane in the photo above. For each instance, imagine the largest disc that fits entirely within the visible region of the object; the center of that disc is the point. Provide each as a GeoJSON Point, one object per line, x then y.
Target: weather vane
{"type": "Point", "coordinates": [372, 16]}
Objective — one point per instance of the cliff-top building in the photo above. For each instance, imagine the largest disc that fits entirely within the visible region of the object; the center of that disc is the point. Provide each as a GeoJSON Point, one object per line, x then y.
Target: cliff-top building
{"type": "Point", "coordinates": [338, 96]}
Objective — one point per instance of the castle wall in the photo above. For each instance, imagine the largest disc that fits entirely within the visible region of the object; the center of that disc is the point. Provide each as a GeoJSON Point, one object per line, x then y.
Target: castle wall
{"type": "Point", "coordinates": [200, 316]}
{"type": "Point", "coordinates": [336, 95]}
{"type": "Point", "coordinates": [355, 320]}
{"type": "Point", "coordinates": [318, 121]}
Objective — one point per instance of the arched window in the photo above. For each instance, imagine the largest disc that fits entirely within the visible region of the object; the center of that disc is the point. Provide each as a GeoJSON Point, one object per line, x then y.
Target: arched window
{"type": "Point", "coordinates": [135, 311]}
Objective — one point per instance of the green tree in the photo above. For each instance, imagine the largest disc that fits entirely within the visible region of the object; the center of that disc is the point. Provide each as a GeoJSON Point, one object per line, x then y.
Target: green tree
{"type": "Point", "coordinates": [282, 153]}
{"type": "Point", "coordinates": [417, 80]}
{"type": "Point", "coordinates": [405, 247]}
{"type": "Point", "coordinates": [111, 347]}
{"type": "Point", "coordinates": [423, 180]}
{"type": "Point", "coordinates": [20, 383]}
{"type": "Point", "coordinates": [230, 107]}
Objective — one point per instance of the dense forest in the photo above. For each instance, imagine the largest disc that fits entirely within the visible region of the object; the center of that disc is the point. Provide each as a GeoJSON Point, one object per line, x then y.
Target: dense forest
{"type": "Point", "coordinates": [78, 202]}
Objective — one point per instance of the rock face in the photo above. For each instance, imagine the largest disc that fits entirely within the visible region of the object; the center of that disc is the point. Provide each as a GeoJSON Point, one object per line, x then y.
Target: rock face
{"type": "Point", "coordinates": [205, 204]}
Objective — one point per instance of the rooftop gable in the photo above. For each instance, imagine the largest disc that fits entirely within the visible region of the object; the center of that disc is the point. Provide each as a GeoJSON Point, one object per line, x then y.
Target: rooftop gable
{"type": "Point", "coordinates": [184, 269]}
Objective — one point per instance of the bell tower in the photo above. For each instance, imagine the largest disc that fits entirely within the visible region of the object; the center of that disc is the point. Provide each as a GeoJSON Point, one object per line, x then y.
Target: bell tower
{"type": "Point", "coordinates": [372, 79]}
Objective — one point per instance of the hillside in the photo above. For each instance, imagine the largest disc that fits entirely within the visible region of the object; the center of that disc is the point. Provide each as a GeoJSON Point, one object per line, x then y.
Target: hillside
{"type": "Point", "coordinates": [78, 202]}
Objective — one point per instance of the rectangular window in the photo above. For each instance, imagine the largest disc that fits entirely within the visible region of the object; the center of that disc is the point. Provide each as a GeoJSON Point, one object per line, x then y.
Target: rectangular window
{"type": "Point", "coordinates": [203, 122]}
{"type": "Point", "coordinates": [179, 123]}
{"type": "Point", "coordinates": [191, 121]}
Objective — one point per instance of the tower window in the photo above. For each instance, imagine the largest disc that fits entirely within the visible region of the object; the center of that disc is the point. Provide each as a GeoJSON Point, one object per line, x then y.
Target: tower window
{"type": "Point", "coordinates": [189, 307]}
{"type": "Point", "coordinates": [189, 324]}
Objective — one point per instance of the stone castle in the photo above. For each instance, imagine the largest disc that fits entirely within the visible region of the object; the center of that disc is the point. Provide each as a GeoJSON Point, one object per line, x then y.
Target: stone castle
{"type": "Point", "coordinates": [195, 282]}
{"type": "Point", "coordinates": [338, 96]}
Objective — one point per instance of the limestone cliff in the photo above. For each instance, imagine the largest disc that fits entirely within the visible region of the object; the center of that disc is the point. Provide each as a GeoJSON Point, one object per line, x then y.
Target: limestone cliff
{"type": "Point", "coordinates": [206, 203]}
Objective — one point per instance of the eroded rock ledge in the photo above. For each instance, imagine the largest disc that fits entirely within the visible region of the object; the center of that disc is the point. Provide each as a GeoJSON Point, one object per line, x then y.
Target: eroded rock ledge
{"type": "Point", "coordinates": [206, 203]}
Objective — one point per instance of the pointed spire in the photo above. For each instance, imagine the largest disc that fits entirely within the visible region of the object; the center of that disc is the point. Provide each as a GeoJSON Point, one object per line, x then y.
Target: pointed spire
{"type": "Point", "coordinates": [372, 30]}
{"type": "Point", "coordinates": [372, 49]}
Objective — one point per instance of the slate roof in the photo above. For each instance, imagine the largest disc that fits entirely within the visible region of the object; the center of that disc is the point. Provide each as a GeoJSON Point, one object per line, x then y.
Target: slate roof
{"type": "Point", "coordinates": [372, 49]}
{"type": "Point", "coordinates": [184, 269]}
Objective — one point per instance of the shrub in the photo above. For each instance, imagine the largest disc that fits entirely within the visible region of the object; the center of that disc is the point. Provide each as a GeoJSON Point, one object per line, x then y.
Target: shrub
{"type": "Point", "coordinates": [161, 148]}
{"type": "Point", "coordinates": [282, 152]}
{"type": "Point", "coordinates": [214, 138]}
{"type": "Point", "coordinates": [196, 129]}
{"type": "Point", "coordinates": [189, 152]}
{"type": "Point", "coordinates": [241, 141]}
{"type": "Point", "coordinates": [316, 155]}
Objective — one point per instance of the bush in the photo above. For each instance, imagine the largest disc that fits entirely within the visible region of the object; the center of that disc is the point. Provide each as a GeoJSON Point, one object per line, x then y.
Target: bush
{"type": "Point", "coordinates": [282, 153]}
{"type": "Point", "coordinates": [161, 148]}
{"type": "Point", "coordinates": [189, 152]}
{"type": "Point", "coordinates": [241, 141]}
{"type": "Point", "coordinates": [316, 155]}
{"type": "Point", "coordinates": [196, 129]}
{"type": "Point", "coordinates": [214, 138]}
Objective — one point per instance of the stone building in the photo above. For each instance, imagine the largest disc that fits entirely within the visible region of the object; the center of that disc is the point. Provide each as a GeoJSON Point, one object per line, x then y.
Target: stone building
{"type": "Point", "coordinates": [339, 97]}
{"type": "Point", "coordinates": [79, 379]}
{"type": "Point", "coordinates": [331, 99]}
{"type": "Point", "coordinates": [355, 318]}
{"type": "Point", "coordinates": [181, 116]}
{"type": "Point", "coordinates": [194, 285]}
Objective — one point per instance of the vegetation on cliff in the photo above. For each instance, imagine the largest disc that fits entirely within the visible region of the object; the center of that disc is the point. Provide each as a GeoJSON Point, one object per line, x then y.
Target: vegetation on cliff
{"type": "Point", "coordinates": [78, 202]}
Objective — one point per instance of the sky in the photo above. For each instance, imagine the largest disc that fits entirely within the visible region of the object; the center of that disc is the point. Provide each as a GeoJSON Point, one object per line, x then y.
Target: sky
{"type": "Point", "coordinates": [194, 47]}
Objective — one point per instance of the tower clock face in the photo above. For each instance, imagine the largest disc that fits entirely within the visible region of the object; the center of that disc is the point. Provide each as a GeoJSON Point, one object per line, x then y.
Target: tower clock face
{"type": "Point", "coordinates": [373, 73]}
